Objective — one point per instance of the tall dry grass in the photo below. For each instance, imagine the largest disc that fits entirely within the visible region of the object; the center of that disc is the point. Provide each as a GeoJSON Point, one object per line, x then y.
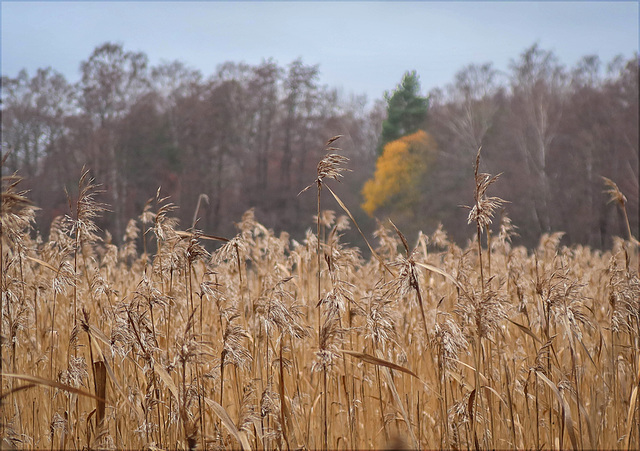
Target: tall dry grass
{"type": "Point", "coordinates": [271, 343]}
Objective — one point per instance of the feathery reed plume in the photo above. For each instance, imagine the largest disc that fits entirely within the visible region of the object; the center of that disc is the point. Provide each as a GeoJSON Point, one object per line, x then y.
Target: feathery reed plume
{"type": "Point", "coordinates": [16, 216]}
{"type": "Point", "coordinates": [286, 318]}
{"type": "Point", "coordinates": [506, 233]}
{"type": "Point", "coordinates": [234, 352]}
{"type": "Point", "coordinates": [129, 251]}
{"type": "Point", "coordinates": [330, 166]}
{"type": "Point", "coordinates": [84, 230]}
{"type": "Point", "coordinates": [408, 277]}
{"type": "Point", "coordinates": [624, 298]}
{"type": "Point", "coordinates": [17, 213]}
{"type": "Point", "coordinates": [449, 341]}
{"type": "Point", "coordinates": [87, 209]}
{"type": "Point", "coordinates": [482, 213]}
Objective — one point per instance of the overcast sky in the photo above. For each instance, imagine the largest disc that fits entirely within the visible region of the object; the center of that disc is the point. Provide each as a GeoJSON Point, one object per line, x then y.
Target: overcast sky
{"type": "Point", "coordinates": [362, 47]}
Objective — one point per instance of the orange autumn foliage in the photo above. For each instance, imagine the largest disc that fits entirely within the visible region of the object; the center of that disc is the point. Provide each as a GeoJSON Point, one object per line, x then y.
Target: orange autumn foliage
{"type": "Point", "coordinates": [402, 163]}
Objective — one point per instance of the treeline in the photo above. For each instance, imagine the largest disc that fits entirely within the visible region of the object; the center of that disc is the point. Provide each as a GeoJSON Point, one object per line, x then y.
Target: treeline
{"type": "Point", "coordinates": [246, 136]}
{"type": "Point", "coordinates": [251, 136]}
{"type": "Point", "coordinates": [552, 131]}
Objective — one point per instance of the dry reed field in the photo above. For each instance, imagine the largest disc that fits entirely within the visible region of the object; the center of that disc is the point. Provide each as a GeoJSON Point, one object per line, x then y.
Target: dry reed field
{"type": "Point", "coordinates": [270, 343]}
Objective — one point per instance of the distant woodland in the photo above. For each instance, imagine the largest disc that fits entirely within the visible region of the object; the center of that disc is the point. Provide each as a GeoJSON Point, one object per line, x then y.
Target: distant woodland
{"type": "Point", "coordinates": [250, 136]}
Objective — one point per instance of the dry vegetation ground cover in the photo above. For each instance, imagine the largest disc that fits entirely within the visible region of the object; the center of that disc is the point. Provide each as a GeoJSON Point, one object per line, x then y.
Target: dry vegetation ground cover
{"type": "Point", "coordinates": [272, 343]}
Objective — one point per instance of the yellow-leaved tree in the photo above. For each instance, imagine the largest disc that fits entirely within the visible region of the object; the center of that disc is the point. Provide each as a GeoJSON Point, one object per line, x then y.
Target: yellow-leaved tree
{"type": "Point", "coordinates": [395, 183]}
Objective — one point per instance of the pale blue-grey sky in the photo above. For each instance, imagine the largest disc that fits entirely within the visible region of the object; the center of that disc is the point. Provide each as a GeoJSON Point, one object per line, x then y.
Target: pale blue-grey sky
{"type": "Point", "coordinates": [361, 47]}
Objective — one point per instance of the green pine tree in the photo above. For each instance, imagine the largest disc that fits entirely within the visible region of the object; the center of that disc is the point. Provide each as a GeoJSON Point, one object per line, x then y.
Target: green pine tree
{"type": "Point", "coordinates": [406, 110]}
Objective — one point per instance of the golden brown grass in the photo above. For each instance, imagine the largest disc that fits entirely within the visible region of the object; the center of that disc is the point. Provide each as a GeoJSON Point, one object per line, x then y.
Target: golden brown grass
{"type": "Point", "coordinates": [272, 343]}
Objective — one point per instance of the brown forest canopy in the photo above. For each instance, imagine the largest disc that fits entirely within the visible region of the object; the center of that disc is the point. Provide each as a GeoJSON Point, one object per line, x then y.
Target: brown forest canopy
{"type": "Point", "coordinates": [251, 136]}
